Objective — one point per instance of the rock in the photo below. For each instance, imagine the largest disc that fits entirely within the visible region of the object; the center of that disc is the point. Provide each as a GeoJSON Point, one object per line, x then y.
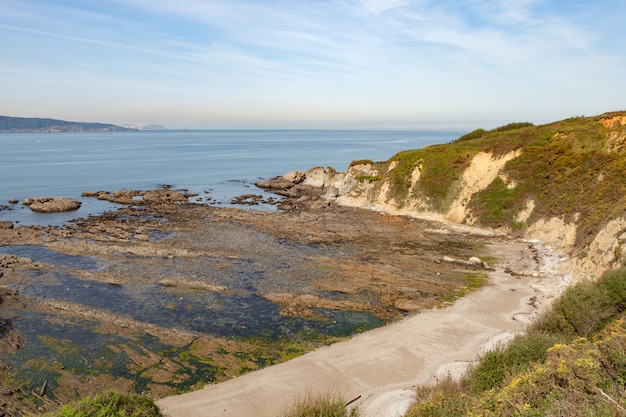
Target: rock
{"type": "Point", "coordinates": [249, 199]}
{"type": "Point", "coordinates": [51, 204]}
{"type": "Point", "coordinates": [284, 182]}
{"type": "Point", "coordinates": [13, 201]}
{"type": "Point", "coordinates": [165, 196]}
{"type": "Point", "coordinates": [475, 260]}
{"type": "Point", "coordinates": [6, 225]}
{"type": "Point", "coordinates": [92, 193]}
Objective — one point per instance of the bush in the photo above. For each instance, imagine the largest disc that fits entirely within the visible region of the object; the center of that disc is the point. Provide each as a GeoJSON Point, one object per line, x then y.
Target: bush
{"type": "Point", "coordinates": [447, 399]}
{"type": "Point", "coordinates": [571, 362]}
{"type": "Point", "coordinates": [518, 356]}
{"type": "Point", "coordinates": [474, 134]}
{"type": "Point", "coordinates": [322, 407]}
{"type": "Point", "coordinates": [585, 307]}
{"type": "Point", "coordinates": [110, 404]}
{"type": "Point", "coordinates": [512, 126]}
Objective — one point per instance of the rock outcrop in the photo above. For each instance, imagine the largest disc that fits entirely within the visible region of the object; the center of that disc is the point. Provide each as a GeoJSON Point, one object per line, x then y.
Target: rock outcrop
{"type": "Point", "coordinates": [138, 198]}
{"type": "Point", "coordinates": [51, 204]}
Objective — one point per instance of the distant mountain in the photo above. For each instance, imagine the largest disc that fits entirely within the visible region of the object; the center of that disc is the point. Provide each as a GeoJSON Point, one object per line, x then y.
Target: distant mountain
{"type": "Point", "coordinates": [153, 127]}
{"type": "Point", "coordinates": [38, 125]}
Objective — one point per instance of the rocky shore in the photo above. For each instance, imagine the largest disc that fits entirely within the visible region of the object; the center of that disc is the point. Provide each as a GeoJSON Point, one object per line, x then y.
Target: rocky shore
{"type": "Point", "coordinates": [313, 260]}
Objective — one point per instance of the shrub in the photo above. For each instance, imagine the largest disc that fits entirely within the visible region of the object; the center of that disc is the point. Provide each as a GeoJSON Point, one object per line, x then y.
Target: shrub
{"type": "Point", "coordinates": [110, 404]}
{"type": "Point", "coordinates": [474, 134]}
{"type": "Point", "coordinates": [361, 162]}
{"type": "Point", "coordinates": [322, 407]}
{"type": "Point", "coordinates": [447, 399]}
{"type": "Point", "coordinates": [512, 126]}
{"type": "Point", "coordinates": [518, 356]}
{"type": "Point", "coordinates": [585, 307]}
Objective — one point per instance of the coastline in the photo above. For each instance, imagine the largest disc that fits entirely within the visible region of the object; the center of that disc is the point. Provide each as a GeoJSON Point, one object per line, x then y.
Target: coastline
{"type": "Point", "coordinates": [395, 261]}
{"type": "Point", "coordinates": [383, 366]}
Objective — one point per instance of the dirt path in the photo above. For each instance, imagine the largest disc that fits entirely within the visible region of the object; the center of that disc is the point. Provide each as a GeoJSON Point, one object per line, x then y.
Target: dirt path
{"type": "Point", "coordinates": [384, 365]}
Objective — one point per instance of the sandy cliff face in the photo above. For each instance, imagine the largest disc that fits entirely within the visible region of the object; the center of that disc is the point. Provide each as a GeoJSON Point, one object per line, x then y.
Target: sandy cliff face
{"type": "Point", "coordinates": [371, 185]}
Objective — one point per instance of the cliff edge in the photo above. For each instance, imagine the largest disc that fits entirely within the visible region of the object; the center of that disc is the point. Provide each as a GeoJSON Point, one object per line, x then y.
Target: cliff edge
{"type": "Point", "coordinates": [562, 183]}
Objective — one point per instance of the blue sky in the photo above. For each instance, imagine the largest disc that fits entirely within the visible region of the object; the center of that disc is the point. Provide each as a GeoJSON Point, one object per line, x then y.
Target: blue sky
{"type": "Point", "coordinates": [398, 64]}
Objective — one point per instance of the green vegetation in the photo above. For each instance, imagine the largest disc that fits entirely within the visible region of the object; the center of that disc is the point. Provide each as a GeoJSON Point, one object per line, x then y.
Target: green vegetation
{"type": "Point", "coordinates": [361, 162]}
{"type": "Point", "coordinates": [370, 178]}
{"type": "Point", "coordinates": [571, 362]}
{"type": "Point", "coordinates": [574, 169]}
{"type": "Point", "coordinates": [322, 407]}
{"type": "Point", "coordinates": [497, 204]}
{"type": "Point", "coordinates": [441, 165]}
{"type": "Point", "coordinates": [473, 281]}
{"type": "Point", "coordinates": [586, 307]}
{"type": "Point", "coordinates": [475, 134]}
{"type": "Point", "coordinates": [110, 404]}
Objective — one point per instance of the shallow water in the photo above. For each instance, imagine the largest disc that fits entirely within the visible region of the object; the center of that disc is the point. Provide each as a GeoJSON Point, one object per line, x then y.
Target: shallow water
{"type": "Point", "coordinates": [238, 313]}
{"type": "Point", "coordinates": [41, 254]}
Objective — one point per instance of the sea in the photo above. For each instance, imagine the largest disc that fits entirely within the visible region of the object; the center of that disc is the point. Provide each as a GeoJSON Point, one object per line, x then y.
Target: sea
{"type": "Point", "coordinates": [217, 165]}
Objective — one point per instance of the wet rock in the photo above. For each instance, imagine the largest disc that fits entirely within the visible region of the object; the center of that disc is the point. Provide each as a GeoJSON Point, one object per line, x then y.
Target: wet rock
{"type": "Point", "coordinates": [283, 182]}
{"type": "Point", "coordinates": [6, 225]}
{"type": "Point", "coordinates": [13, 201]}
{"type": "Point", "coordinates": [165, 196]}
{"type": "Point", "coordinates": [247, 199]}
{"type": "Point", "coordinates": [51, 204]}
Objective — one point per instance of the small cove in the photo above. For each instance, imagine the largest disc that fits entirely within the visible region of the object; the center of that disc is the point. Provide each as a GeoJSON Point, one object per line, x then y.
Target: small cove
{"type": "Point", "coordinates": [252, 329]}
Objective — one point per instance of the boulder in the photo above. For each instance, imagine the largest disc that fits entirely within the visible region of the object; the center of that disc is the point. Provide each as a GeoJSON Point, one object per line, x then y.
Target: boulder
{"type": "Point", "coordinates": [165, 196]}
{"type": "Point", "coordinates": [283, 182]}
{"type": "Point", "coordinates": [51, 204]}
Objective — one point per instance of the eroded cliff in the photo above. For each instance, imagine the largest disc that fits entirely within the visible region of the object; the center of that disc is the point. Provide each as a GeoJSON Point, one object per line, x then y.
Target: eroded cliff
{"type": "Point", "coordinates": [563, 183]}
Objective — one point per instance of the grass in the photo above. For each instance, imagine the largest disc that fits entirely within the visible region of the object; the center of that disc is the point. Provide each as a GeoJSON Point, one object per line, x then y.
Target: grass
{"type": "Point", "coordinates": [110, 404]}
{"type": "Point", "coordinates": [572, 362]}
{"type": "Point", "coordinates": [322, 407]}
{"type": "Point", "coordinates": [472, 281]}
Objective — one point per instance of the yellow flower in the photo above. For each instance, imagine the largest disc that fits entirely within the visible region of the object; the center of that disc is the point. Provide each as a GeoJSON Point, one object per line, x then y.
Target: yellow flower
{"type": "Point", "coordinates": [557, 347]}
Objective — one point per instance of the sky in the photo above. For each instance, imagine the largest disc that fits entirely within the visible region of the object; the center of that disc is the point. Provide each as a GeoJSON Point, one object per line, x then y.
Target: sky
{"type": "Point", "coordinates": [312, 64]}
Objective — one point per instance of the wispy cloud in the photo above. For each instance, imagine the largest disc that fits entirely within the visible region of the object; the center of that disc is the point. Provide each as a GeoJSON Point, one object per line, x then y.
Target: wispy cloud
{"type": "Point", "coordinates": [350, 55]}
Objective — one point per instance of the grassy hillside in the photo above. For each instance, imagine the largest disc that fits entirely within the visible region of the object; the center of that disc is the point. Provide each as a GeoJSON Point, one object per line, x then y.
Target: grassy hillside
{"type": "Point", "coordinates": [572, 362]}
{"type": "Point", "coordinates": [574, 169]}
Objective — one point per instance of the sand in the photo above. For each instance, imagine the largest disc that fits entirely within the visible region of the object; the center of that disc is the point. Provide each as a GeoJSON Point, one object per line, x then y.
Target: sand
{"type": "Point", "coordinates": [382, 367]}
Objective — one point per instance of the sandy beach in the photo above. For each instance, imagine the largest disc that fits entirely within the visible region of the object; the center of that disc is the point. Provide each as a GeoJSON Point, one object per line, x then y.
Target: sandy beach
{"type": "Point", "coordinates": [383, 366]}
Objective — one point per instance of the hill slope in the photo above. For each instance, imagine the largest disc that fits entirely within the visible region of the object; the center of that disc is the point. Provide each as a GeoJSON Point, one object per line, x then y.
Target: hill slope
{"type": "Point", "coordinates": [30, 124]}
{"type": "Point", "coordinates": [563, 183]}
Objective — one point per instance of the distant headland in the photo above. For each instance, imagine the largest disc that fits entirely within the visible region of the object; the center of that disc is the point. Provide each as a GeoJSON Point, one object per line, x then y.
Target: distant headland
{"type": "Point", "coordinates": [41, 125]}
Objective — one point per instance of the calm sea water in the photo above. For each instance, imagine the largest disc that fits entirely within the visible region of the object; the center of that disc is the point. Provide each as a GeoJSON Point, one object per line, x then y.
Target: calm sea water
{"type": "Point", "coordinates": [218, 165]}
